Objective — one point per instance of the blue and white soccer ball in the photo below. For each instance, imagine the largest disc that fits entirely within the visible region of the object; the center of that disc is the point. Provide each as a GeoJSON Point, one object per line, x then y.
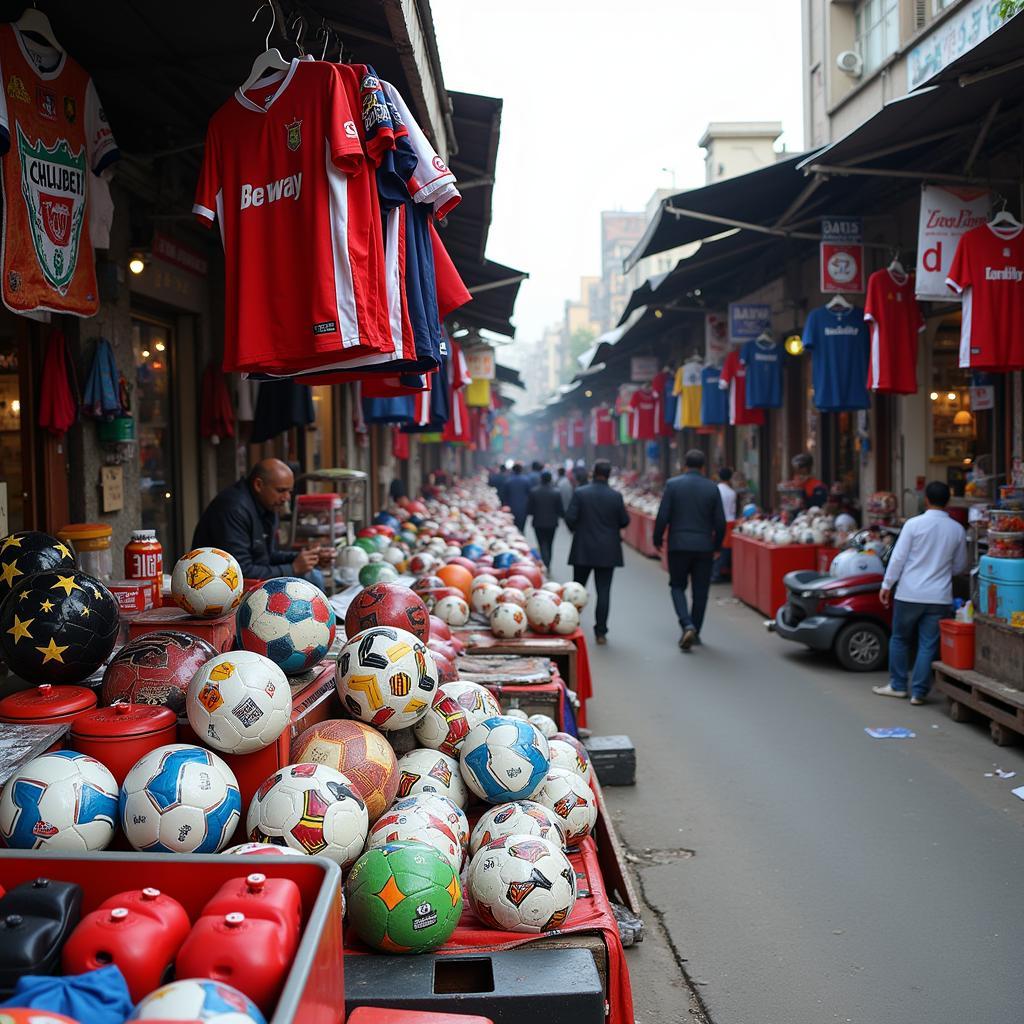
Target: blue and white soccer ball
{"type": "Point", "coordinates": [180, 799]}
{"type": "Point", "coordinates": [59, 801]}
{"type": "Point", "coordinates": [289, 621]}
{"type": "Point", "coordinates": [504, 759]}
{"type": "Point", "coordinates": [198, 999]}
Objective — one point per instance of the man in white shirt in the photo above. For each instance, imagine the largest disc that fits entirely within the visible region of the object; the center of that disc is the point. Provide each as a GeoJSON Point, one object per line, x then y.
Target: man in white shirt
{"type": "Point", "coordinates": [930, 551]}
{"type": "Point", "coordinates": [723, 563]}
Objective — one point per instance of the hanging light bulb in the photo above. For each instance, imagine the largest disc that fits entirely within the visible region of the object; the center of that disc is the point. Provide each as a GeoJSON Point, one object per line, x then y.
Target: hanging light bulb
{"type": "Point", "coordinates": [794, 344]}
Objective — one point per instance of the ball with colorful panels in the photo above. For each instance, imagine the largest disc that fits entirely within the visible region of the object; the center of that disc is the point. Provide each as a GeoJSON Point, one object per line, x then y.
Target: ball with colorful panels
{"type": "Point", "coordinates": [452, 610]}
{"type": "Point", "coordinates": [377, 572]}
{"type": "Point", "coordinates": [310, 808]}
{"type": "Point", "coordinates": [504, 759]}
{"type": "Point", "coordinates": [198, 1001]}
{"type": "Point", "coordinates": [574, 758]}
{"type": "Point", "coordinates": [521, 884]}
{"type": "Point", "coordinates": [27, 552]}
{"type": "Point", "coordinates": [412, 821]}
{"type": "Point", "coordinates": [508, 620]}
{"type": "Point", "coordinates": [58, 626]}
{"type": "Point", "coordinates": [475, 700]}
{"type": "Point", "coordinates": [388, 604]}
{"type": "Point", "coordinates": [260, 850]}
{"type": "Point", "coordinates": [571, 799]}
{"type": "Point", "coordinates": [59, 801]}
{"type": "Point", "coordinates": [422, 770]}
{"type": "Point", "coordinates": [484, 599]}
{"type": "Point", "coordinates": [239, 702]}
{"type": "Point", "coordinates": [207, 583]}
{"type": "Point", "coordinates": [448, 810]}
{"type": "Point", "coordinates": [386, 678]}
{"type": "Point", "coordinates": [403, 898]}
{"type": "Point", "coordinates": [179, 798]}
{"type": "Point", "coordinates": [288, 620]}
{"type": "Point", "coordinates": [517, 818]}
{"type": "Point", "coordinates": [445, 726]}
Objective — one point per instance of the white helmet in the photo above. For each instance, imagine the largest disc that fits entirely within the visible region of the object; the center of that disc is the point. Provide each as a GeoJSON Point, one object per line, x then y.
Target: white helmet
{"type": "Point", "coordinates": [856, 563]}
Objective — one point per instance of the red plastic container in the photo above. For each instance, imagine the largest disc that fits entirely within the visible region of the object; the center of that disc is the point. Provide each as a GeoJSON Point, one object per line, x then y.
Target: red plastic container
{"type": "Point", "coordinates": [218, 632]}
{"type": "Point", "coordinates": [379, 1015]}
{"type": "Point", "coordinates": [119, 735]}
{"type": "Point", "coordinates": [47, 704]}
{"type": "Point", "coordinates": [269, 899]}
{"type": "Point", "coordinates": [140, 932]}
{"type": "Point", "coordinates": [956, 644]}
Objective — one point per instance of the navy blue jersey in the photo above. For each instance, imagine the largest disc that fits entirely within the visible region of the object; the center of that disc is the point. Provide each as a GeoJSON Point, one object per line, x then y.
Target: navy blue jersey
{"type": "Point", "coordinates": [764, 361]}
{"type": "Point", "coordinates": [840, 347]}
{"type": "Point", "coordinates": [714, 401]}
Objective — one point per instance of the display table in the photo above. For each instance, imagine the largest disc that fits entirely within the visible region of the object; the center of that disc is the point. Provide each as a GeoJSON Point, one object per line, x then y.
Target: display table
{"type": "Point", "coordinates": [758, 569]}
{"type": "Point", "coordinates": [640, 533]}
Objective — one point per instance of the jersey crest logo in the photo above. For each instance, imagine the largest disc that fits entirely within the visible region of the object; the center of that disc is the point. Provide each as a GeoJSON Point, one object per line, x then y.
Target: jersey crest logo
{"type": "Point", "coordinates": [294, 131]}
{"type": "Point", "coordinates": [53, 188]}
{"type": "Point", "coordinates": [46, 101]}
{"type": "Point", "coordinates": [351, 130]}
{"type": "Point", "coordinates": [16, 89]}
{"type": "Point", "coordinates": [70, 109]}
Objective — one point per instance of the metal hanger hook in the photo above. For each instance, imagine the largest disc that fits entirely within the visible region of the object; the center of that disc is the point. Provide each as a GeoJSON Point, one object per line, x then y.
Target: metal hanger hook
{"type": "Point", "coordinates": [273, 23]}
{"type": "Point", "coordinates": [300, 34]}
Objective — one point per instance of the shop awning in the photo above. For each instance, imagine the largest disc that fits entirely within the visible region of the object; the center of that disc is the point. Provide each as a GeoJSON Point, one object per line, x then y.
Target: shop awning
{"type": "Point", "coordinates": [494, 288]}
{"type": "Point", "coordinates": [508, 375]}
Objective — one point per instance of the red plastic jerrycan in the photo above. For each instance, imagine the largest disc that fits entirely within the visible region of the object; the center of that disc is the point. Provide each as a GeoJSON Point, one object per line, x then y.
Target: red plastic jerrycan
{"type": "Point", "coordinates": [140, 932]}
{"type": "Point", "coordinates": [258, 897]}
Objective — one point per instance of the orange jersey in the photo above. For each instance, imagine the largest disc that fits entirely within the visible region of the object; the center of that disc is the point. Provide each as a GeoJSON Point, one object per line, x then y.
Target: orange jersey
{"type": "Point", "coordinates": [53, 135]}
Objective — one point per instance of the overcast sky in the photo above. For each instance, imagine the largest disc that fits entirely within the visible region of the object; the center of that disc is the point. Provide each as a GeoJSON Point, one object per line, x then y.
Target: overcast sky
{"type": "Point", "coordinates": [599, 96]}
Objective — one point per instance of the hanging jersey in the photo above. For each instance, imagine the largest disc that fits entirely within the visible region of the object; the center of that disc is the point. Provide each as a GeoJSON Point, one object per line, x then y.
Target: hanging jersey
{"type": "Point", "coordinates": [54, 136]}
{"type": "Point", "coordinates": [734, 375]}
{"type": "Point", "coordinates": [714, 401]}
{"type": "Point", "coordinates": [643, 406]}
{"type": "Point", "coordinates": [894, 319]}
{"type": "Point", "coordinates": [688, 382]}
{"type": "Point", "coordinates": [763, 362]}
{"type": "Point", "coordinates": [988, 270]}
{"type": "Point", "coordinates": [457, 427]}
{"type": "Point", "coordinates": [603, 426]}
{"type": "Point", "coordinates": [840, 350]}
{"type": "Point", "coordinates": [577, 432]}
{"type": "Point", "coordinates": [661, 386]}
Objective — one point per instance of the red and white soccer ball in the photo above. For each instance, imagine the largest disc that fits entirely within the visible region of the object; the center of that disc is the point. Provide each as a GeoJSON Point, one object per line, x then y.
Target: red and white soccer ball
{"type": "Point", "coordinates": [508, 621]}
{"type": "Point", "coordinates": [426, 771]}
{"type": "Point", "coordinates": [411, 821]}
{"type": "Point", "coordinates": [445, 726]}
{"type": "Point", "coordinates": [483, 580]}
{"type": "Point", "coordinates": [475, 700]}
{"type": "Point", "coordinates": [517, 818]}
{"type": "Point", "coordinates": [553, 587]}
{"type": "Point", "coordinates": [512, 595]}
{"type": "Point", "coordinates": [542, 612]}
{"type": "Point", "coordinates": [452, 610]}
{"type": "Point", "coordinates": [207, 583]}
{"type": "Point", "coordinates": [565, 755]}
{"type": "Point", "coordinates": [446, 808]}
{"type": "Point", "coordinates": [575, 593]}
{"type": "Point", "coordinates": [485, 599]}
{"type": "Point", "coordinates": [422, 564]}
{"type": "Point", "coordinates": [572, 800]}
{"type": "Point", "coordinates": [568, 619]}
{"type": "Point", "coordinates": [263, 850]}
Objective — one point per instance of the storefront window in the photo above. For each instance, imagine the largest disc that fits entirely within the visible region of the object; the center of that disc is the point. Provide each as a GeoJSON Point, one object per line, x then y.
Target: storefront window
{"type": "Point", "coordinates": [877, 27]}
{"type": "Point", "coordinates": [10, 434]}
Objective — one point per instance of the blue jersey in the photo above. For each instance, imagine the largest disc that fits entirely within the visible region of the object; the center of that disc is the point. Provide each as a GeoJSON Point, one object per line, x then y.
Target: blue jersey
{"type": "Point", "coordinates": [764, 361]}
{"type": "Point", "coordinates": [840, 347]}
{"type": "Point", "coordinates": [714, 401]}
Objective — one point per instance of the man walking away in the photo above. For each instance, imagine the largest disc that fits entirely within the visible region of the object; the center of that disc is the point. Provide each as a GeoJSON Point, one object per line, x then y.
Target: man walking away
{"type": "Point", "coordinates": [691, 510]}
{"type": "Point", "coordinates": [595, 515]}
{"type": "Point", "coordinates": [564, 486]}
{"type": "Point", "coordinates": [723, 563]}
{"type": "Point", "coordinates": [516, 494]}
{"type": "Point", "coordinates": [545, 506]}
{"type": "Point", "coordinates": [534, 475]}
{"type": "Point", "coordinates": [930, 551]}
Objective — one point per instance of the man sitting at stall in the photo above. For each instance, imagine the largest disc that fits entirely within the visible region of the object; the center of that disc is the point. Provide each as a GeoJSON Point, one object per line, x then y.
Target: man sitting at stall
{"type": "Point", "coordinates": [815, 491]}
{"type": "Point", "coordinates": [243, 521]}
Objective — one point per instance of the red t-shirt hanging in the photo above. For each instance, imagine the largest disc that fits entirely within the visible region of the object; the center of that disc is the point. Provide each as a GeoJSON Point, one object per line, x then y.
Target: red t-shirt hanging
{"type": "Point", "coordinates": [988, 269]}
{"type": "Point", "coordinates": [577, 432]}
{"type": "Point", "coordinates": [643, 415]}
{"type": "Point", "coordinates": [895, 320]}
{"type": "Point", "coordinates": [603, 428]}
{"type": "Point", "coordinates": [457, 427]}
{"type": "Point", "coordinates": [661, 385]}
{"type": "Point", "coordinates": [734, 373]}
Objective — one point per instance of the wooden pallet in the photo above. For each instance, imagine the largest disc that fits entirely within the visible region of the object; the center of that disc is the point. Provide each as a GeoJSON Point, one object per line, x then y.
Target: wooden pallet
{"type": "Point", "coordinates": [972, 694]}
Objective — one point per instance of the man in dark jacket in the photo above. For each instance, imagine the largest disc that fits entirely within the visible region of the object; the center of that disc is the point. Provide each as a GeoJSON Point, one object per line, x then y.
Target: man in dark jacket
{"type": "Point", "coordinates": [691, 510]}
{"type": "Point", "coordinates": [595, 515]}
{"type": "Point", "coordinates": [243, 519]}
{"type": "Point", "coordinates": [517, 494]}
{"type": "Point", "coordinates": [545, 506]}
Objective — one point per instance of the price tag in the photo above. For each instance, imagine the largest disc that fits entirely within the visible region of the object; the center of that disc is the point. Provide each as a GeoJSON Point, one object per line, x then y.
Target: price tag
{"type": "Point", "coordinates": [112, 488]}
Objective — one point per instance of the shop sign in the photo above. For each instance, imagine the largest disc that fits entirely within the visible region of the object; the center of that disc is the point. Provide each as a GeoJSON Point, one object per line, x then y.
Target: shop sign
{"type": "Point", "coordinates": [716, 338]}
{"type": "Point", "coordinates": [952, 38]}
{"type": "Point", "coordinates": [112, 488]}
{"type": "Point", "coordinates": [983, 397]}
{"type": "Point", "coordinates": [170, 251]}
{"type": "Point", "coordinates": [842, 254]}
{"type": "Point", "coordinates": [946, 214]}
{"type": "Point", "coordinates": [480, 362]}
{"type": "Point", "coordinates": [747, 320]}
{"type": "Point", "coordinates": [643, 368]}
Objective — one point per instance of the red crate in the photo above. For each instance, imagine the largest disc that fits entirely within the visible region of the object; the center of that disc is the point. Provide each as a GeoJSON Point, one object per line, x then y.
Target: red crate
{"type": "Point", "coordinates": [379, 1015]}
{"type": "Point", "coordinates": [220, 632]}
{"type": "Point", "coordinates": [956, 643]}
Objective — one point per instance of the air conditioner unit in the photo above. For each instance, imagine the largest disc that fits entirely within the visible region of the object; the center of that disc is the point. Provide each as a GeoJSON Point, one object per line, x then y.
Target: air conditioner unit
{"type": "Point", "coordinates": [850, 63]}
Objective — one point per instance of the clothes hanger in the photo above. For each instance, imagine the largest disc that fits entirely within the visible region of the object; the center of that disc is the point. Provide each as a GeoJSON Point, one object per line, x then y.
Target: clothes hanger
{"type": "Point", "coordinates": [269, 59]}
{"type": "Point", "coordinates": [35, 22]}
{"type": "Point", "coordinates": [766, 336]}
{"type": "Point", "coordinates": [896, 267]}
{"type": "Point", "coordinates": [1004, 219]}
{"type": "Point", "coordinates": [838, 302]}
{"type": "Point", "coordinates": [300, 34]}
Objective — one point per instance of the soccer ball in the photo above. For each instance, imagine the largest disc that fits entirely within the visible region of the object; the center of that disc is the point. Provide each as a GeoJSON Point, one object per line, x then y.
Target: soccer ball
{"type": "Point", "coordinates": [414, 822]}
{"type": "Point", "coordinates": [59, 801]}
{"type": "Point", "coordinates": [207, 582]}
{"type": "Point", "coordinates": [503, 759]}
{"type": "Point", "coordinates": [542, 612]}
{"type": "Point", "coordinates": [517, 713]}
{"type": "Point", "coordinates": [484, 599]}
{"type": "Point", "coordinates": [477, 701]}
{"type": "Point", "coordinates": [377, 572]}
{"type": "Point", "coordinates": [422, 564]}
{"type": "Point", "coordinates": [352, 559]}
{"type": "Point", "coordinates": [445, 726]}
{"type": "Point", "coordinates": [179, 799]}
{"type": "Point", "coordinates": [521, 884]}
{"type": "Point", "coordinates": [568, 619]}
{"type": "Point", "coordinates": [27, 552]}
{"type": "Point", "coordinates": [572, 800]}
{"type": "Point", "coordinates": [452, 610]}
{"type": "Point", "coordinates": [565, 755]}
{"type": "Point", "coordinates": [517, 818]}
{"type": "Point", "coordinates": [485, 579]}
{"type": "Point", "coordinates": [508, 620]}
{"type": "Point", "coordinates": [312, 809]}
{"type": "Point", "coordinates": [198, 1000]}
{"type": "Point", "coordinates": [446, 808]}
{"type": "Point", "coordinates": [575, 594]}
{"type": "Point", "coordinates": [386, 678]}
{"type": "Point", "coordinates": [239, 702]}
{"type": "Point", "coordinates": [289, 621]}
{"type": "Point", "coordinates": [404, 898]}
{"type": "Point", "coordinates": [547, 726]}
{"type": "Point", "coordinates": [260, 850]}
{"type": "Point", "coordinates": [388, 604]}
{"type": "Point", "coordinates": [512, 595]}
{"type": "Point", "coordinates": [429, 771]}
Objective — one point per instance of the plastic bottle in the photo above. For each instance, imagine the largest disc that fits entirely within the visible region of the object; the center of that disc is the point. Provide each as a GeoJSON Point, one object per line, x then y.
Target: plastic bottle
{"type": "Point", "coordinates": [144, 560]}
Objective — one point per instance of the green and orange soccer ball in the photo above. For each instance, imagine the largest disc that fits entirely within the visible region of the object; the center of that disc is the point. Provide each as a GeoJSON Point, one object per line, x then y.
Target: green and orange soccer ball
{"type": "Point", "coordinates": [403, 898]}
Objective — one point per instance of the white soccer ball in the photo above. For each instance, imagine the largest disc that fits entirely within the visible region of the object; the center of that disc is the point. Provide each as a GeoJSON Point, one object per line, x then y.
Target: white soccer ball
{"type": "Point", "coordinates": [207, 583]}
{"type": "Point", "coordinates": [542, 612]}
{"type": "Point", "coordinates": [352, 558]}
{"type": "Point", "coordinates": [452, 610]}
{"type": "Point", "coordinates": [394, 556]}
{"type": "Point", "coordinates": [575, 593]}
{"type": "Point", "coordinates": [517, 713]}
{"type": "Point", "coordinates": [429, 771]}
{"type": "Point", "coordinates": [485, 579]}
{"type": "Point", "coordinates": [239, 702]}
{"type": "Point", "coordinates": [504, 759]}
{"type": "Point", "coordinates": [198, 1000]}
{"type": "Point", "coordinates": [179, 799]}
{"type": "Point", "coordinates": [445, 807]}
{"type": "Point", "coordinates": [568, 619]}
{"type": "Point", "coordinates": [475, 700]}
{"type": "Point", "coordinates": [386, 677]}
{"type": "Point", "coordinates": [445, 726]}
{"type": "Point", "coordinates": [415, 822]}
{"type": "Point", "coordinates": [312, 809]}
{"type": "Point", "coordinates": [508, 621]}
{"type": "Point", "coordinates": [59, 801]}
{"type": "Point", "coordinates": [565, 755]}
{"type": "Point", "coordinates": [521, 884]}
{"type": "Point", "coordinates": [263, 850]}
{"type": "Point", "coordinates": [572, 800]}
{"type": "Point", "coordinates": [552, 587]}
{"type": "Point", "coordinates": [484, 599]}
{"type": "Point", "coordinates": [547, 725]}
{"type": "Point", "coordinates": [517, 818]}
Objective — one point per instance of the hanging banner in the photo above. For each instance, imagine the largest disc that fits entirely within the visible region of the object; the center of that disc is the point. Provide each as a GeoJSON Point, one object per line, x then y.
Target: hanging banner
{"type": "Point", "coordinates": [973, 21]}
{"type": "Point", "coordinates": [946, 214]}
{"type": "Point", "coordinates": [842, 254]}
{"type": "Point", "coordinates": [480, 362]}
{"type": "Point", "coordinates": [747, 320]}
{"type": "Point", "coordinates": [643, 368]}
{"type": "Point", "coordinates": [716, 338]}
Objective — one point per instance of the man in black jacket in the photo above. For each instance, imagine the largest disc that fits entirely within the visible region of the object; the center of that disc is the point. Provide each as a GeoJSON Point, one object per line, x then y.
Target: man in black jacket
{"type": "Point", "coordinates": [595, 515]}
{"type": "Point", "coordinates": [691, 509]}
{"type": "Point", "coordinates": [516, 494]}
{"type": "Point", "coordinates": [243, 519]}
{"type": "Point", "coordinates": [545, 506]}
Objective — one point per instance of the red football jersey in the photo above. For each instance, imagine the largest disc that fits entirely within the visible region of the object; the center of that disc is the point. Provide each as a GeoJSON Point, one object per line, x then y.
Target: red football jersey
{"type": "Point", "coordinates": [603, 431]}
{"type": "Point", "coordinates": [642, 424]}
{"type": "Point", "coordinates": [734, 373]}
{"type": "Point", "coordinates": [895, 320]}
{"type": "Point", "coordinates": [301, 233]}
{"type": "Point", "coordinates": [988, 269]}
{"type": "Point", "coordinates": [577, 432]}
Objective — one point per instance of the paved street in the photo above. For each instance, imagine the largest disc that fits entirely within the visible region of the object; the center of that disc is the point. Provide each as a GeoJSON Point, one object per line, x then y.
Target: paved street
{"type": "Point", "coordinates": [799, 871]}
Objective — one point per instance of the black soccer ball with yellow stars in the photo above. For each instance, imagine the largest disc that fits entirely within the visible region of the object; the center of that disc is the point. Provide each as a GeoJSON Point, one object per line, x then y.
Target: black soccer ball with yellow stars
{"type": "Point", "coordinates": [28, 552]}
{"type": "Point", "coordinates": [57, 626]}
